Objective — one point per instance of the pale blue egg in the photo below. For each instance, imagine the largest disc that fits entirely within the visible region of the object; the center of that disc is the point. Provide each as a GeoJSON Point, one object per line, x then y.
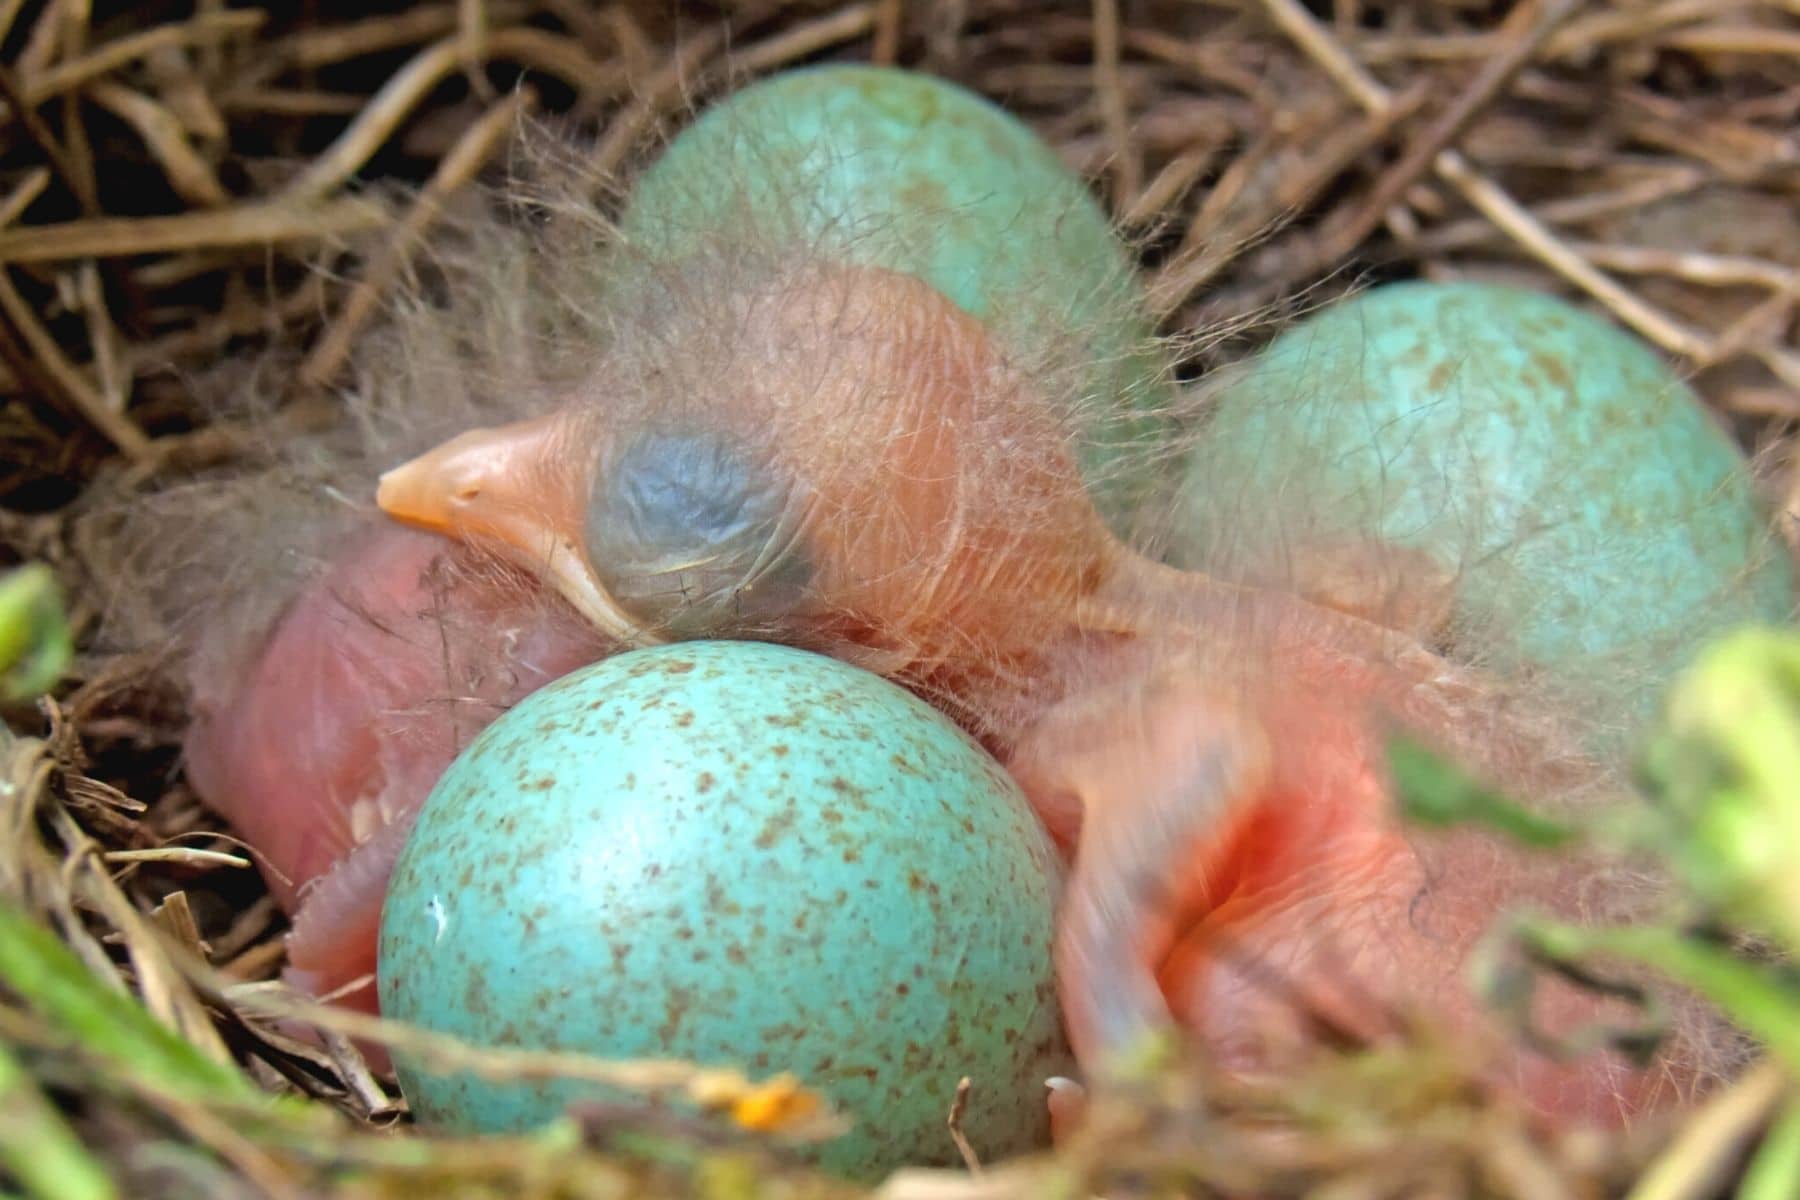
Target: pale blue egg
{"type": "Point", "coordinates": [1596, 523]}
{"type": "Point", "coordinates": [743, 855]}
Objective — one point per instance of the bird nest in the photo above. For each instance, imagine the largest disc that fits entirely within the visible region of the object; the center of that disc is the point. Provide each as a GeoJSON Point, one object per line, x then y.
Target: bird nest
{"type": "Point", "coordinates": [185, 186]}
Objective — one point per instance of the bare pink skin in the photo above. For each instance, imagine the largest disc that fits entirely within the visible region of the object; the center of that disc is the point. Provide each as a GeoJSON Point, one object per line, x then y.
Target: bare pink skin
{"type": "Point", "coordinates": [321, 746]}
{"type": "Point", "coordinates": [1242, 875]}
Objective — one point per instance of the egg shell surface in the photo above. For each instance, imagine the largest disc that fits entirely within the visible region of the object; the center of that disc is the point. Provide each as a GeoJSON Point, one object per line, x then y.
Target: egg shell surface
{"type": "Point", "coordinates": [884, 167]}
{"type": "Point", "coordinates": [1595, 523]}
{"type": "Point", "coordinates": [742, 855]}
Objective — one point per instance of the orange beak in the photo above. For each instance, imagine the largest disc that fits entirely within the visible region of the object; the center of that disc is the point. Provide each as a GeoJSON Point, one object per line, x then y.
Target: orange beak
{"type": "Point", "coordinates": [516, 490]}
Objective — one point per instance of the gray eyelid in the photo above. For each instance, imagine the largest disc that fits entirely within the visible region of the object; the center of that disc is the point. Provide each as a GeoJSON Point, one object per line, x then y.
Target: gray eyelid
{"type": "Point", "coordinates": [685, 531]}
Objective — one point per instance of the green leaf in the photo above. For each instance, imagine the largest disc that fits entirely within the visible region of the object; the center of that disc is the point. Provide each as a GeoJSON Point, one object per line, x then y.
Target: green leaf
{"type": "Point", "coordinates": [1433, 792]}
{"type": "Point", "coordinates": [35, 643]}
{"type": "Point", "coordinates": [103, 1021]}
{"type": "Point", "coordinates": [38, 1148]}
{"type": "Point", "coordinates": [1758, 999]}
{"type": "Point", "coordinates": [1723, 773]}
{"type": "Point", "coordinates": [1774, 1174]}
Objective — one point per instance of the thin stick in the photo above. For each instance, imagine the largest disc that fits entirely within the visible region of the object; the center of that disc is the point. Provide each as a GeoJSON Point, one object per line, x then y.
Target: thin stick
{"type": "Point", "coordinates": [175, 917]}
{"type": "Point", "coordinates": [959, 1104]}
{"type": "Point", "coordinates": [246, 928]}
{"type": "Point", "coordinates": [441, 1052]}
{"type": "Point", "coordinates": [66, 168]}
{"type": "Point", "coordinates": [1192, 270]}
{"type": "Point", "coordinates": [23, 195]}
{"type": "Point", "coordinates": [185, 93]}
{"type": "Point", "coordinates": [9, 12]}
{"type": "Point", "coordinates": [407, 88]}
{"type": "Point", "coordinates": [177, 854]}
{"type": "Point", "coordinates": [1783, 363]}
{"type": "Point", "coordinates": [807, 38]}
{"type": "Point", "coordinates": [1169, 185]}
{"type": "Point", "coordinates": [890, 18]}
{"type": "Point", "coordinates": [353, 1070]}
{"type": "Point", "coordinates": [559, 56]}
{"type": "Point", "coordinates": [461, 165]}
{"type": "Point", "coordinates": [284, 102]}
{"type": "Point", "coordinates": [1712, 270]}
{"type": "Point", "coordinates": [1582, 37]}
{"type": "Point", "coordinates": [1521, 46]}
{"type": "Point", "coordinates": [1325, 50]}
{"type": "Point", "coordinates": [168, 996]}
{"type": "Point", "coordinates": [42, 43]}
{"type": "Point", "coordinates": [256, 963]}
{"type": "Point", "coordinates": [386, 109]}
{"type": "Point", "coordinates": [188, 173]}
{"type": "Point", "coordinates": [310, 49]}
{"type": "Point", "coordinates": [1571, 210]}
{"type": "Point", "coordinates": [1488, 197]}
{"type": "Point", "coordinates": [1780, 43]}
{"type": "Point", "coordinates": [658, 93]}
{"type": "Point", "coordinates": [472, 30]}
{"type": "Point", "coordinates": [1511, 217]}
{"type": "Point", "coordinates": [1109, 92]}
{"type": "Point", "coordinates": [943, 41]}
{"type": "Point", "coordinates": [258, 224]}
{"type": "Point", "coordinates": [74, 385]}
{"type": "Point", "coordinates": [103, 337]}
{"type": "Point", "coordinates": [77, 72]}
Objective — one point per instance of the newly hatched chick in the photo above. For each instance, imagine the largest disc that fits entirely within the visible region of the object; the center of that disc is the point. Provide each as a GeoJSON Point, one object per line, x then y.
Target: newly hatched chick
{"type": "Point", "coordinates": [756, 439]}
{"type": "Point", "coordinates": [840, 458]}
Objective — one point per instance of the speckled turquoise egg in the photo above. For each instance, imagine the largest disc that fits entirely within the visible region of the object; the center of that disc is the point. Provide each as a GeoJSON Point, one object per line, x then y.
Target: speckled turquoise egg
{"type": "Point", "coordinates": [1593, 521]}
{"type": "Point", "coordinates": [742, 855]}
{"type": "Point", "coordinates": [890, 168]}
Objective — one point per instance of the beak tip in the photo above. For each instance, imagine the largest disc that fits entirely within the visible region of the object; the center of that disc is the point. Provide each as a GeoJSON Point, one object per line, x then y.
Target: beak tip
{"type": "Point", "coordinates": [399, 494]}
{"type": "Point", "coordinates": [384, 491]}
